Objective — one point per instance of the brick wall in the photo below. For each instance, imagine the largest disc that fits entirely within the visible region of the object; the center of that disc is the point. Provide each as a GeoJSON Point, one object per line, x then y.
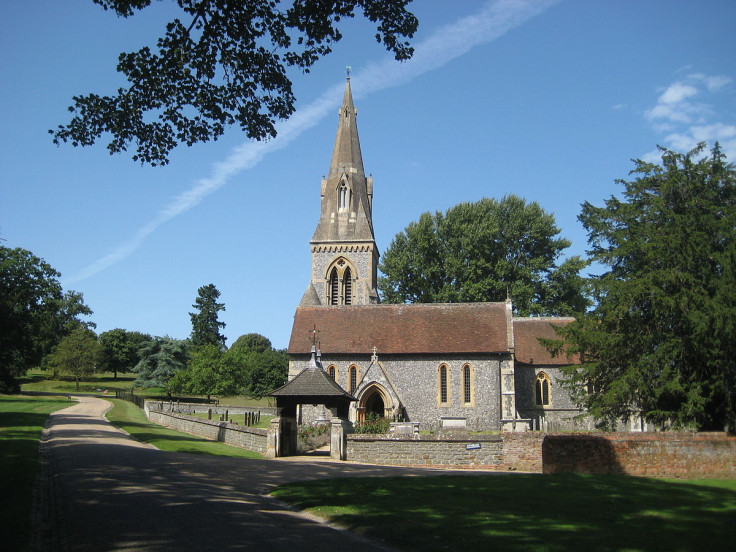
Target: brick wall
{"type": "Point", "coordinates": [244, 437]}
{"type": "Point", "coordinates": [523, 451]}
{"type": "Point", "coordinates": [676, 454]}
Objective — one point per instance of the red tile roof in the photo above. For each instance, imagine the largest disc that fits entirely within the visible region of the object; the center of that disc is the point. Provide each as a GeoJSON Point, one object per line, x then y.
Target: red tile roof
{"type": "Point", "coordinates": [446, 328]}
{"type": "Point", "coordinates": [529, 350]}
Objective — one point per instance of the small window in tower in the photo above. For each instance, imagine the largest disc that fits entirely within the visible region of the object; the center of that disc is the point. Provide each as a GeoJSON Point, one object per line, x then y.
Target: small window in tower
{"type": "Point", "coordinates": [331, 372]}
{"type": "Point", "coordinates": [342, 204]}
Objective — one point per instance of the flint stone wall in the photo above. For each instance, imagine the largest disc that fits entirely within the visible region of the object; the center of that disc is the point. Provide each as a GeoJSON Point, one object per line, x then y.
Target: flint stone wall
{"type": "Point", "coordinates": [197, 408]}
{"type": "Point", "coordinates": [486, 451]}
{"type": "Point", "coordinates": [239, 436]}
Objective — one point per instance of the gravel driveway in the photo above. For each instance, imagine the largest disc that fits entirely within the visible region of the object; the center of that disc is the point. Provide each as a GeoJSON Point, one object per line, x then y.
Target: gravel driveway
{"type": "Point", "coordinates": [102, 490]}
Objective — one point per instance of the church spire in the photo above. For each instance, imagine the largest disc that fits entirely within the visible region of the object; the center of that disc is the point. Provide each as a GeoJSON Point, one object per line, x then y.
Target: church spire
{"type": "Point", "coordinates": [346, 154]}
{"type": "Point", "coordinates": [347, 194]}
{"type": "Point", "coordinates": [344, 254]}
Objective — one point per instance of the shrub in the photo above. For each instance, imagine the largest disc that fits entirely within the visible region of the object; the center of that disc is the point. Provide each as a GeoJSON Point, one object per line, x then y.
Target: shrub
{"type": "Point", "coordinates": [373, 424]}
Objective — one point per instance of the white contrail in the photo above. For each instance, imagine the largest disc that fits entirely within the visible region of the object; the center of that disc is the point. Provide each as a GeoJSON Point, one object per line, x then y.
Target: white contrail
{"type": "Point", "coordinates": [496, 18]}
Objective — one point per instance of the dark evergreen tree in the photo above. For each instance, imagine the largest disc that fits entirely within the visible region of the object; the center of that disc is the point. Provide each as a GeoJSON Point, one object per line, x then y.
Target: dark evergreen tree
{"type": "Point", "coordinates": [205, 324]}
{"type": "Point", "coordinates": [161, 359]}
{"type": "Point", "coordinates": [661, 340]}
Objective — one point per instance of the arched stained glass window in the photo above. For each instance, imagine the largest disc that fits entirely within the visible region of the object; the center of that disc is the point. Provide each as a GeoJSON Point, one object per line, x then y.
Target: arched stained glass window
{"type": "Point", "coordinates": [542, 389]}
{"type": "Point", "coordinates": [353, 373]}
{"type": "Point", "coordinates": [443, 385]}
{"type": "Point", "coordinates": [467, 384]}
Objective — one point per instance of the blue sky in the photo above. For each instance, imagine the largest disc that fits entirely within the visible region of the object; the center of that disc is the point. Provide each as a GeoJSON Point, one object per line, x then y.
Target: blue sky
{"type": "Point", "coordinates": [549, 100]}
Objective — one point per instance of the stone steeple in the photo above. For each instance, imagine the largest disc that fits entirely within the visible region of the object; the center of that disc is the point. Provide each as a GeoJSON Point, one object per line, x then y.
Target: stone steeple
{"type": "Point", "coordinates": [347, 194]}
{"type": "Point", "coordinates": [344, 253]}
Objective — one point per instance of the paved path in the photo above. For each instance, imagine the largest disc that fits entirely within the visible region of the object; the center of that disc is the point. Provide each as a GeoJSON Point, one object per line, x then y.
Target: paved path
{"type": "Point", "coordinates": [103, 491]}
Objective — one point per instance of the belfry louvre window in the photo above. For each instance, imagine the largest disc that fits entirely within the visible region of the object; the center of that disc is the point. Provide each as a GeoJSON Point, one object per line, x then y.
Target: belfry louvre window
{"type": "Point", "coordinates": [347, 278]}
{"type": "Point", "coordinates": [334, 287]}
{"type": "Point", "coordinates": [541, 389]}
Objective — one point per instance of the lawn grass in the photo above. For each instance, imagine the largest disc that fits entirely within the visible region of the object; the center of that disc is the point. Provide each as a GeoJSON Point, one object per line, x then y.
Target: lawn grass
{"type": "Point", "coordinates": [38, 380]}
{"type": "Point", "coordinates": [21, 423]}
{"type": "Point", "coordinates": [130, 418]}
{"type": "Point", "coordinates": [97, 384]}
{"type": "Point", "coordinates": [518, 512]}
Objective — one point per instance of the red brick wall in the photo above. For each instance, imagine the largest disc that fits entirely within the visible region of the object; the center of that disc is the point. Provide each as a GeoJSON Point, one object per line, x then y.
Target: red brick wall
{"type": "Point", "coordinates": [523, 451]}
{"type": "Point", "coordinates": [681, 454]}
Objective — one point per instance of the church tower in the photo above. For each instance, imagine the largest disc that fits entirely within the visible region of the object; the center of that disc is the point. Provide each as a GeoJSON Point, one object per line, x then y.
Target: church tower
{"type": "Point", "coordinates": [344, 253]}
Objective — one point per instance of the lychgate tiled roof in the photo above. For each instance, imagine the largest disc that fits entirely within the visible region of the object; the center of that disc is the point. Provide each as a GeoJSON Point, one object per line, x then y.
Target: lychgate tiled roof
{"type": "Point", "coordinates": [529, 350]}
{"type": "Point", "coordinates": [311, 382]}
{"type": "Point", "coordinates": [446, 328]}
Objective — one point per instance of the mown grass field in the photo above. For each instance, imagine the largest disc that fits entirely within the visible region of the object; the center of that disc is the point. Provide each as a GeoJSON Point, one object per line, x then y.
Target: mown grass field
{"type": "Point", "coordinates": [521, 512]}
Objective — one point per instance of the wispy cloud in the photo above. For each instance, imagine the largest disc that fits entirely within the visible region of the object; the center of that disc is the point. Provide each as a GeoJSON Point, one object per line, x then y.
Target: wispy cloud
{"type": "Point", "coordinates": [685, 115]}
{"type": "Point", "coordinates": [494, 19]}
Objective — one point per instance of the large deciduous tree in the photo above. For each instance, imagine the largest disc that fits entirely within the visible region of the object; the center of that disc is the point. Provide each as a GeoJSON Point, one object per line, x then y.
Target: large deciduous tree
{"type": "Point", "coordinates": [76, 355]}
{"type": "Point", "coordinates": [35, 313]}
{"type": "Point", "coordinates": [205, 324]}
{"type": "Point", "coordinates": [485, 251]}
{"type": "Point", "coordinates": [250, 367]}
{"type": "Point", "coordinates": [220, 64]}
{"type": "Point", "coordinates": [661, 341]}
{"type": "Point", "coordinates": [119, 350]}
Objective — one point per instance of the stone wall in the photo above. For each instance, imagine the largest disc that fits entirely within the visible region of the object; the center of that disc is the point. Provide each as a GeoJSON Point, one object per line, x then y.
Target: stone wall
{"type": "Point", "coordinates": [244, 437]}
{"type": "Point", "coordinates": [415, 378]}
{"type": "Point", "coordinates": [676, 454]}
{"type": "Point", "coordinates": [484, 451]}
{"type": "Point", "coordinates": [194, 408]}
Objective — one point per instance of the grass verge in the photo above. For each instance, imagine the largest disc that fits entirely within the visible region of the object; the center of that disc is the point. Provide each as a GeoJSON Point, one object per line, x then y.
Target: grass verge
{"type": "Point", "coordinates": [130, 418]}
{"type": "Point", "coordinates": [527, 512]}
{"type": "Point", "coordinates": [21, 423]}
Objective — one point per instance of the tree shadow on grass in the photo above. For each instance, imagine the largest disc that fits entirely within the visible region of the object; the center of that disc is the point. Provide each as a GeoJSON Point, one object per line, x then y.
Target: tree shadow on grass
{"type": "Point", "coordinates": [524, 512]}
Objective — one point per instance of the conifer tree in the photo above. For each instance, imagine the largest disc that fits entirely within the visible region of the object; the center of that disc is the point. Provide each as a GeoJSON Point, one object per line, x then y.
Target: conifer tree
{"type": "Point", "coordinates": [205, 325]}
{"type": "Point", "coordinates": [661, 339]}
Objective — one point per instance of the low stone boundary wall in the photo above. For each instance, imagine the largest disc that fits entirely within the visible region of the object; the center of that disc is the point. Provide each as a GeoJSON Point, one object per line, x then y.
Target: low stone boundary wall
{"type": "Point", "coordinates": [484, 451]}
{"type": "Point", "coordinates": [665, 454]}
{"type": "Point", "coordinates": [244, 437]}
{"type": "Point", "coordinates": [196, 408]}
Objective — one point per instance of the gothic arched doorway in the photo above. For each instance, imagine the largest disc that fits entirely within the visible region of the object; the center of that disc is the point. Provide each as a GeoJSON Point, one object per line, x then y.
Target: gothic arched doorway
{"type": "Point", "coordinates": [374, 404]}
{"type": "Point", "coordinates": [374, 399]}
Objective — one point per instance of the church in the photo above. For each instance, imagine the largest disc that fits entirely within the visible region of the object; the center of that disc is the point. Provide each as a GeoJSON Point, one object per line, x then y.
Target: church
{"type": "Point", "coordinates": [456, 365]}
